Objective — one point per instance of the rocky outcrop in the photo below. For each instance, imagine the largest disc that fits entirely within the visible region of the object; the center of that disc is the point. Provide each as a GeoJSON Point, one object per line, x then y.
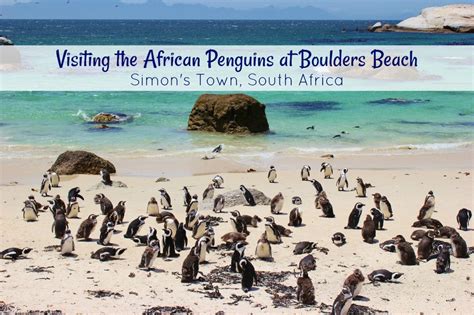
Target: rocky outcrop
{"type": "Point", "coordinates": [229, 113]}
{"type": "Point", "coordinates": [5, 41]}
{"type": "Point", "coordinates": [455, 18]}
{"type": "Point", "coordinates": [236, 198]}
{"type": "Point", "coordinates": [80, 162]}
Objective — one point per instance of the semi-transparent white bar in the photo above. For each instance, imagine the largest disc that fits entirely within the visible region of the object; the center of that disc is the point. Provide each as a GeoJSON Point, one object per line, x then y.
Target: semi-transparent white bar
{"type": "Point", "coordinates": [219, 68]}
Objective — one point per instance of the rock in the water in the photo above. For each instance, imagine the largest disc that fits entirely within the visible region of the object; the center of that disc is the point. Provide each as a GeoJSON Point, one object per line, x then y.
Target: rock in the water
{"type": "Point", "coordinates": [5, 41]}
{"type": "Point", "coordinates": [109, 118]}
{"type": "Point", "coordinates": [80, 162]}
{"type": "Point", "coordinates": [375, 26]}
{"type": "Point", "coordinates": [230, 113]}
{"type": "Point", "coordinates": [115, 183]}
{"type": "Point", "coordinates": [236, 198]}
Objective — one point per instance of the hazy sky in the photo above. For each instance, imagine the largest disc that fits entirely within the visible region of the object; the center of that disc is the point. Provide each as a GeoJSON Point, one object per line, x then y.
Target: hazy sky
{"type": "Point", "coordinates": [216, 9]}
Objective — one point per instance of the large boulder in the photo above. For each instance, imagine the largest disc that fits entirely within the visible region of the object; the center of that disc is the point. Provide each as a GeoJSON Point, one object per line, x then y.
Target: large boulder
{"type": "Point", "coordinates": [236, 198]}
{"type": "Point", "coordinates": [230, 113]}
{"type": "Point", "coordinates": [109, 118]}
{"type": "Point", "coordinates": [80, 162]}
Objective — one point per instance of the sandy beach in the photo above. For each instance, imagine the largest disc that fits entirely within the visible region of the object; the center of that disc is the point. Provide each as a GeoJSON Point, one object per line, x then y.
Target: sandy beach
{"type": "Point", "coordinates": [405, 178]}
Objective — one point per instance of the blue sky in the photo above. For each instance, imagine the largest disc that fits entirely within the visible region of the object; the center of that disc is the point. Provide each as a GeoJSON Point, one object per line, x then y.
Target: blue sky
{"type": "Point", "coordinates": [215, 9]}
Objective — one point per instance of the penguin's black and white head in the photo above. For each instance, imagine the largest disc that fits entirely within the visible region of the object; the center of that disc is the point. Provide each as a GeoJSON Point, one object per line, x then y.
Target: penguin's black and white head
{"type": "Point", "coordinates": [195, 251]}
{"type": "Point", "coordinates": [346, 291]}
{"type": "Point", "coordinates": [324, 164]}
{"type": "Point", "coordinates": [430, 193]}
{"type": "Point", "coordinates": [359, 180]}
{"type": "Point", "coordinates": [93, 217]}
{"type": "Point", "coordinates": [240, 247]}
{"type": "Point", "coordinates": [162, 190]}
{"type": "Point", "coordinates": [153, 200]}
{"type": "Point", "coordinates": [155, 244]}
{"type": "Point", "coordinates": [307, 167]}
{"type": "Point", "coordinates": [375, 212]}
{"type": "Point", "coordinates": [142, 218]}
{"type": "Point", "coordinates": [122, 203]}
{"type": "Point", "coordinates": [195, 197]}
{"type": "Point", "coordinates": [45, 175]}
{"type": "Point", "coordinates": [151, 231]}
{"type": "Point", "coordinates": [120, 251]}
{"type": "Point", "coordinates": [243, 189]}
{"type": "Point", "coordinates": [235, 213]}
{"type": "Point", "coordinates": [204, 239]}
{"type": "Point", "coordinates": [272, 167]}
{"type": "Point", "coordinates": [396, 275]}
{"type": "Point", "coordinates": [359, 206]}
{"type": "Point", "coordinates": [31, 197]}
{"type": "Point", "coordinates": [345, 170]}
{"type": "Point", "coordinates": [110, 225]}
{"type": "Point", "coordinates": [185, 188]}
{"type": "Point", "coordinates": [243, 263]}
{"type": "Point", "coordinates": [296, 200]}
{"type": "Point", "coordinates": [26, 250]}
{"type": "Point", "coordinates": [167, 232]}
{"type": "Point", "coordinates": [210, 230]}
{"type": "Point", "coordinates": [270, 219]}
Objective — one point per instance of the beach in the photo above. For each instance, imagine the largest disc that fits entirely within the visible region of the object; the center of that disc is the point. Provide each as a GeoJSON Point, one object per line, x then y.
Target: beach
{"type": "Point", "coordinates": [404, 177]}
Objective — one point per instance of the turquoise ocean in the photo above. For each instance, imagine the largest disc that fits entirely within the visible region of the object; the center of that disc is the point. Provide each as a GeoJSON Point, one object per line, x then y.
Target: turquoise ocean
{"type": "Point", "coordinates": [45, 123]}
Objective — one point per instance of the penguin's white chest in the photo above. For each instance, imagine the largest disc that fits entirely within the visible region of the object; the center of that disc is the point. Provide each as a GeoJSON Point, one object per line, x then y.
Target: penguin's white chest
{"type": "Point", "coordinates": [271, 235]}
{"type": "Point", "coordinates": [272, 176]}
{"type": "Point", "coordinates": [108, 237]}
{"type": "Point", "coordinates": [200, 231]}
{"type": "Point", "coordinates": [172, 226]}
{"type": "Point", "coordinates": [30, 214]}
{"type": "Point", "coordinates": [358, 288]}
{"type": "Point", "coordinates": [234, 227]}
{"type": "Point", "coordinates": [346, 307]}
{"type": "Point", "coordinates": [429, 212]}
{"type": "Point", "coordinates": [327, 172]}
{"type": "Point", "coordinates": [67, 247]}
{"type": "Point", "coordinates": [153, 209]}
{"type": "Point", "coordinates": [305, 174]}
{"type": "Point", "coordinates": [263, 250]}
{"type": "Point", "coordinates": [342, 181]}
{"type": "Point", "coordinates": [385, 211]}
{"type": "Point", "coordinates": [193, 206]}
{"type": "Point", "coordinates": [164, 202]}
{"type": "Point", "coordinates": [54, 180]}
{"type": "Point", "coordinates": [202, 253]}
{"type": "Point", "coordinates": [359, 190]}
{"type": "Point", "coordinates": [74, 211]}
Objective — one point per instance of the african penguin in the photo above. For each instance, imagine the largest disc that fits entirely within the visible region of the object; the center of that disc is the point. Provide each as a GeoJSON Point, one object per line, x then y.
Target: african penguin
{"type": "Point", "coordinates": [354, 216]}
{"type": "Point", "coordinates": [172, 224]}
{"type": "Point", "coordinates": [443, 261]}
{"type": "Point", "coordinates": [383, 275]}
{"type": "Point", "coordinates": [181, 240]}
{"type": "Point", "coordinates": [264, 249]}
{"type": "Point", "coordinates": [386, 208]}
{"type": "Point", "coordinates": [186, 196]}
{"type": "Point", "coordinates": [305, 290]}
{"type": "Point", "coordinates": [305, 172]}
{"type": "Point", "coordinates": [354, 282]}
{"type": "Point", "coordinates": [317, 185]}
{"type": "Point", "coordinates": [135, 226]}
{"type": "Point", "coordinates": [219, 203]}
{"type": "Point", "coordinates": [107, 253]}
{"type": "Point", "coordinates": [193, 205]}
{"type": "Point", "coordinates": [14, 253]}
{"type": "Point", "coordinates": [342, 180]}
{"type": "Point", "coordinates": [237, 255]}
{"type": "Point", "coordinates": [361, 190]}
{"type": "Point", "coordinates": [459, 246]}
{"type": "Point", "coordinates": [405, 252]}
{"type": "Point", "coordinates": [307, 263]}
{"type": "Point", "coordinates": [168, 244]}
{"type": "Point", "coordinates": [239, 225]}
{"type": "Point", "coordinates": [200, 228]}
{"type": "Point", "coordinates": [377, 199]}
{"type": "Point", "coordinates": [152, 208]}
{"type": "Point", "coordinates": [203, 248]}
{"type": "Point", "coordinates": [149, 255]}
{"type": "Point", "coordinates": [368, 230]}
{"type": "Point", "coordinates": [120, 209]}
{"type": "Point", "coordinates": [208, 192]}
{"type": "Point", "coordinates": [60, 224]}
{"type": "Point", "coordinates": [338, 239]}
{"type": "Point", "coordinates": [72, 210]}
{"type": "Point", "coordinates": [425, 245]}
{"type": "Point", "coordinates": [277, 203]}
{"type": "Point", "coordinates": [248, 196]}
{"type": "Point", "coordinates": [304, 247]}
{"type": "Point", "coordinates": [53, 178]}
{"type": "Point", "coordinates": [296, 200]}
{"type": "Point", "coordinates": [378, 218]}
{"type": "Point", "coordinates": [428, 223]}
{"type": "Point", "coordinates": [271, 231]}
{"type": "Point", "coordinates": [104, 202]}
{"type": "Point", "coordinates": [86, 227]}
{"type": "Point", "coordinates": [165, 199]}
{"type": "Point", "coordinates": [45, 186]}
{"type": "Point", "coordinates": [417, 235]}
{"type": "Point", "coordinates": [327, 169]}
{"type": "Point", "coordinates": [74, 194]}
{"type": "Point", "coordinates": [30, 213]}
{"type": "Point", "coordinates": [218, 180]}
{"type": "Point", "coordinates": [463, 218]}
{"type": "Point", "coordinates": [106, 232]}
{"type": "Point", "coordinates": [105, 177]}
{"type": "Point", "coordinates": [272, 174]}
{"type": "Point", "coordinates": [428, 207]}
{"type": "Point", "coordinates": [233, 237]}
{"type": "Point", "coordinates": [191, 219]}
{"type": "Point", "coordinates": [296, 218]}
{"type": "Point", "coordinates": [190, 267]}
{"type": "Point", "coordinates": [342, 303]}
{"type": "Point", "coordinates": [326, 207]}
{"type": "Point", "coordinates": [67, 243]}
{"type": "Point", "coordinates": [249, 276]}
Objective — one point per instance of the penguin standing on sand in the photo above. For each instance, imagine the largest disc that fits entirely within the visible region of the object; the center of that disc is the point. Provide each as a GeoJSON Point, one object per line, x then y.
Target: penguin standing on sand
{"type": "Point", "coordinates": [405, 252]}
{"type": "Point", "coordinates": [443, 261]}
{"type": "Point", "coordinates": [317, 185]}
{"type": "Point", "coordinates": [428, 207]}
{"type": "Point", "coordinates": [218, 180]}
{"type": "Point", "coordinates": [277, 203]}
{"type": "Point", "coordinates": [327, 169]}
{"type": "Point", "coordinates": [361, 190]}
{"type": "Point", "coordinates": [219, 203]}
{"type": "Point", "coordinates": [200, 228]}
{"type": "Point", "coordinates": [354, 216]}
{"type": "Point", "coordinates": [237, 255]}
{"type": "Point", "coordinates": [305, 172]}
{"type": "Point", "coordinates": [208, 192]}
{"type": "Point", "coordinates": [14, 253]}
{"type": "Point", "coordinates": [73, 209]}
{"type": "Point", "coordinates": [186, 196]}
{"type": "Point", "coordinates": [463, 218]}
{"type": "Point", "coordinates": [378, 218]}
{"type": "Point", "coordinates": [120, 209]}
{"type": "Point", "coordinates": [264, 249]}
{"type": "Point", "coordinates": [60, 224]}
{"type": "Point", "coordinates": [239, 225]}
{"type": "Point", "coordinates": [326, 206]}
{"type": "Point", "coordinates": [191, 219]}
{"type": "Point", "coordinates": [53, 178]}
{"type": "Point", "coordinates": [386, 208]}
{"type": "Point", "coordinates": [354, 282]}
{"type": "Point", "coordinates": [377, 199]}
{"type": "Point", "coordinates": [342, 303]}
{"type": "Point", "coordinates": [172, 224]}
{"type": "Point", "coordinates": [86, 227]}
{"type": "Point", "coordinates": [368, 230]}
{"type": "Point", "coordinates": [425, 245]}
{"type": "Point", "coordinates": [193, 205]}
{"type": "Point", "coordinates": [30, 213]}
{"type": "Point", "coordinates": [271, 232]}
{"type": "Point", "coordinates": [74, 194]}
{"type": "Point", "coordinates": [190, 267]}
{"type": "Point", "coordinates": [106, 232]}
{"type": "Point", "coordinates": [105, 177]}
{"type": "Point", "coordinates": [459, 246]}
{"type": "Point", "coordinates": [248, 274]}
{"type": "Point", "coordinates": [203, 245]}
{"type": "Point", "coordinates": [168, 244]}
{"type": "Point", "coordinates": [272, 174]}
{"type": "Point", "coordinates": [305, 290]}
{"type": "Point", "coordinates": [105, 204]}
{"type": "Point", "coordinates": [342, 180]}
{"type": "Point", "coordinates": [135, 226]}
{"type": "Point", "coordinates": [149, 255]}
{"type": "Point", "coordinates": [152, 208]}
{"type": "Point", "coordinates": [181, 240]}
{"type": "Point", "coordinates": [67, 243]}
{"type": "Point", "coordinates": [296, 218]}
{"type": "Point", "coordinates": [165, 199]}
{"type": "Point", "coordinates": [248, 196]}
{"type": "Point", "coordinates": [45, 186]}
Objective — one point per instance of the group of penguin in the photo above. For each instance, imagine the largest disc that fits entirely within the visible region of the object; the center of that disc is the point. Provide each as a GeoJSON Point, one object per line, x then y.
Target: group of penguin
{"type": "Point", "coordinates": [174, 237]}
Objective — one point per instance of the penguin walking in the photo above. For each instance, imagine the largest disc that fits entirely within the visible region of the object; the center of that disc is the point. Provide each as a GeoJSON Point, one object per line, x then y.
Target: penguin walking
{"type": "Point", "coordinates": [338, 239]}
{"type": "Point", "coordinates": [354, 216]}
{"type": "Point", "coordinates": [106, 232]}
{"type": "Point", "coordinates": [264, 249]}
{"type": "Point", "coordinates": [378, 218]}
{"type": "Point", "coordinates": [327, 169]}
{"type": "Point", "coordinates": [425, 245]}
{"type": "Point", "coordinates": [368, 230]}
{"type": "Point", "coordinates": [30, 213]}
{"type": "Point", "coordinates": [86, 227]}
{"type": "Point", "coordinates": [74, 194]}
{"type": "Point", "coordinates": [168, 244]}
{"type": "Point", "coordinates": [405, 252]}
{"type": "Point", "coordinates": [459, 246]}
{"type": "Point", "coordinates": [60, 224]}
{"type": "Point", "coordinates": [342, 180]}
{"type": "Point", "coordinates": [152, 208]}
{"type": "Point", "coordinates": [218, 180]}
{"type": "Point", "coordinates": [443, 261]}
{"type": "Point", "coordinates": [361, 190]}
{"type": "Point", "coordinates": [342, 303]}
{"type": "Point", "coordinates": [149, 255]}
{"type": "Point", "coordinates": [193, 205]}
{"type": "Point", "coordinates": [277, 203]}
{"type": "Point", "coordinates": [428, 207]}
{"type": "Point", "coordinates": [53, 178]}
{"type": "Point", "coordinates": [105, 177]}
{"type": "Point", "coordinates": [305, 172]}
{"type": "Point", "coordinates": [15, 253]}
{"type": "Point", "coordinates": [463, 218]}
{"type": "Point", "coordinates": [248, 196]}
{"type": "Point", "coordinates": [305, 290]}
{"type": "Point", "coordinates": [108, 253]}
{"type": "Point", "coordinates": [181, 240]}
{"type": "Point", "coordinates": [104, 202]}
{"type": "Point", "coordinates": [219, 203]}
{"type": "Point", "coordinates": [186, 196]}
{"type": "Point", "coordinates": [272, 174]}
{"type": "Point", "coordinates": [165, 199]}
{"type": "Point", "coordinates": [237, 255]}
{"type": "Point", "coordinates": [67, 243]}
{"type": "Point", "coordinates": [354, 282]}
{"type": "Point", "coordinates": [296, 217]}
{"type": "Point", "coordinates": [120, 209]}
{"type": "Point", "coordinates": [135, 226]}
{"type": "Point", "coordinates": [190, 267]}
{"type": "Point", "coordinates": [45, 186]}
{"type": "Point", "coordinates": [383, 275]}
{"type": "Point", "coordinates": [249, 276]}
{"type": "Point", "coordinates": [208, 192]}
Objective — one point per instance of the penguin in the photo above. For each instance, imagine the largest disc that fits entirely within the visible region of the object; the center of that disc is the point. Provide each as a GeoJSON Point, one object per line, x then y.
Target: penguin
{"type": "Point", "coordinates": [361, 190]}
{"type": "Point", "coordinates": [428, 223]}
{"type": "Point", "coordinates": [354, 216]}
{"type": "Point", "coordinates": [218, 180]}
{"type": "Point", "coordinates": [105, 177]}
{"type": "Point", "coordinates": [186, 196]}
{"type": "Point", "coordinates": [307, 263]}
{"type": "Point", "coordinates": [45, 186]}
{"type": "Point", "coordinates": [219, 203]}
{"type": "Point", "coordinates": [163, 215]}
{"type": "Point", "coordinates": [106, 232]}
{"type": "Point", "coordinates": [149, 255]}
{"type": "Point", "coordinates": [417, 235]}
{"type": "Point", "coordinates": [60, 224]}
{"type": "Point", "coordinates": [30, 213]}
{"type": "Point", "coordinates": [296, 218]}
{"type": "Point", "coordinates": [435, 247]}
{"type": "Point", "coordinates": [190, 267]}
{"type": "Point", "coordinates": [304, 247]}
{"type": "Point", "coordinates": [53, 178]}
{"type": "Point", "coordinates": [135, 226]}
{"type": "Point", "coordinates": [305, 290]}
{"type": "Point", "coordinates": [199, 228]}
{"type": "Point", "coordinates": [86, 227]}
{"type": "Point", "coordinates": [108, 253]}
{"type": "Point", "coordinates": [428, 207]}
{"type": "Point", "coordinates": [168, 244]}
{"type": "Point", "coordinates": [147, 239]}
{"type": "Point", "coordinates": [405, 252]}
{"type": "Point", "coordinates": [233, 237]}
{"type": "Point", "coordinates": [165, 199]}
{"type": "Point", "coordinates": [459, 246]}
{"type": "Point", "coordinates": [378, 218]}
{"type": "Point", "coordinates": [338, 239]}
{"type": "Point", "coordinates": [443, 261]}
{"type": "Point", "coordinates": [463, 218]}
{"type": "Point", "coordinates": [425, 245]}
{"type": "Point", "coordinates": [317, 201]}
{"type": "Point", "coordinates": [354, 282]}
{"type": "Point", "coordinates": [342, 303]}
{"type": "Point", "coordinates": [277, 203]}
{"type": "Point", "coordinates": [305, 172]}
{"type": "Point", "coordinates": [193, 205]}
{"type": "Point", "coordinates": [249, 220]}
{"type": "Point", "coordinates": [208, 192]}
{"type": "Point", "coordinates": [342, 180]}
{"type": "Point", "coordinates": [57, 204]}
{"type": "Point", "coordinates": [211, 235]}
{"type": "Point", "coordinates": [191, 219]}
{"type": "Point", "coordinates": [172, 224]}
{"type": "Point", "coordinates": [263, 249]}
{"type": "Point", "coordinates": [120, 209]}
{"type": "Point", "coordinates": [445, 232]}
{"type": "Point", "coordinates": [390, 245]}
{"type": "Point", "coordinates": [249, 276]}
{"type": "Point", "coordinates": [181, 240]}
{"type": "Point", "coordinates": [104, 202]}
{"type": "Point", "coordinates": [38, 206]}
{"type": "Point", "coordinates": [67, 243]}
{"type": "Point", "coordinates": [326, 206]}
{"type": "Point", "coordinates": [248, 196]}
{"type": "Point", "coordinates": [203, 248]}
{"type": "Point", "coordinates": [383, 275]}
{"type": "Point", "coordinates": [239, 225]}
{"type": "Point", "coordinates": [327, 169]}
{"type": "Point", "coordinates": [317, 185]}
{"type": "Point", "coordinates": [152, 208]}
{"type": "Point", "coordinates": [15, 253]}
{"type": "Point", "coordinates": [386, 208]}
{"type": "Point", "coordinates": [237, 255]}
{"type": "Point", "coordinates": [377, 199]}
{"type": "Point", "coordinates": [271, 232]}
{"type": "Point", "coordinates": [272, 174]}
{"type": "Point", "coordinates": [368, 230]}
{"type": "Point", "coordinates": [296, 200]}
{"type": "Point", "coordinates": [74, 194]}
{"type": "Point", "coordinates": [111, 217]}
{"type": "Point", "coordinates": [72, 210]}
